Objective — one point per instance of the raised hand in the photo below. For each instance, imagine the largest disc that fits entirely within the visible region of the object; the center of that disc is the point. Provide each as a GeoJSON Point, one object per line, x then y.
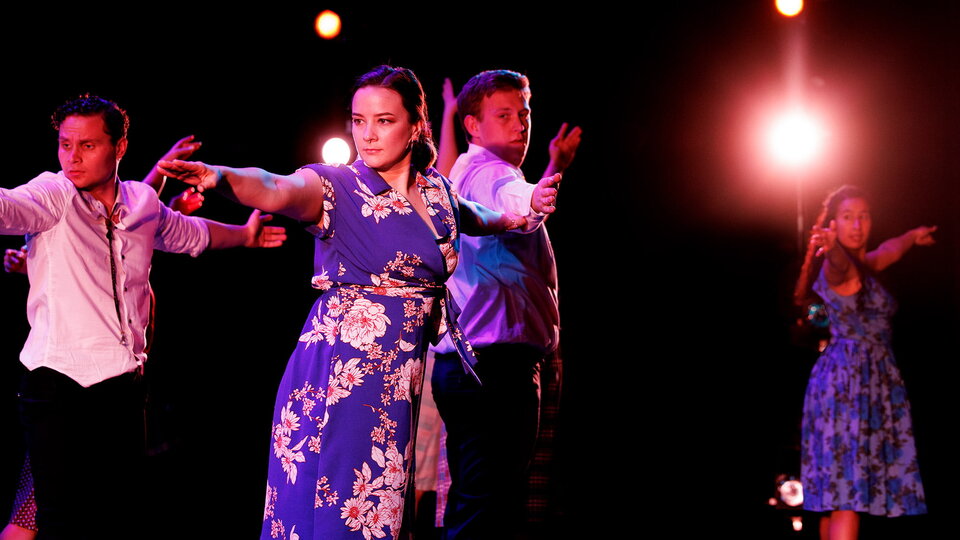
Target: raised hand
{"type": "Point", "coordinates": [182, 149]}
{"type": "Point", "coordinates": [544, 199]}
{"type": "Point", "coordinates": [824, 238]}
{"type": "Point", "coordinates": [261, 235]}
{"type": "Point", "coordinates": [563, 148]}
{"type": "Point", "coordinates": [195, 173]}
{"type": "Point", "coordinates": [449, 96]}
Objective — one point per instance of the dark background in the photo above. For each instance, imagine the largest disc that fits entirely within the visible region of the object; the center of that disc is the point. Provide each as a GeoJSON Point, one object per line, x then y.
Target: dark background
{"type": "Point", "coordinates": [675, 239]}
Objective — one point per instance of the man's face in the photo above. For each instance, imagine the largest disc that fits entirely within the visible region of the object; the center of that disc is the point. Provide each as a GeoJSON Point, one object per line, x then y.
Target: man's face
{"type": "Point", "coordinates": [87, 155]}
{"type": "Point", "coordinates": [503, 125]}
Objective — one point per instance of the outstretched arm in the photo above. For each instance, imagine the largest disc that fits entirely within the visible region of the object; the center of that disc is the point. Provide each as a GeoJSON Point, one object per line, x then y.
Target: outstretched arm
{"type": "Point", "coordinates": [562, 149]}
{"type": "Point", "coordinates": [181, 149]}
{"type": "Point", "coordinates": [298, 195]}
{"type": "Point", "coordinates": [478, 220]}
{"type": "Point", "coordinates": [891, 250]}
{"type": "Point", "coordinates": [447, 152]}
{"type": "Point", "coordinates": [252, 234]}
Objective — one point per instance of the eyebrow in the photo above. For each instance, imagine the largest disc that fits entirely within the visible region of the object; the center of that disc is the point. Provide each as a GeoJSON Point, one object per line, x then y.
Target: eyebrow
{"type": "Point", "coordinates": [374, 115]}
{"type": "Point", "coordinates": [89, 139]}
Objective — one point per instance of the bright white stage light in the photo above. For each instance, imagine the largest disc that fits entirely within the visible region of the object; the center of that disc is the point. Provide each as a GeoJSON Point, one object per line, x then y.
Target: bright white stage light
{"type": "Point", "coordinates": [335, 151]}
{"type": "Point", "coordinates": [791, 492]}
{"type": "Point", "coordinates": [796, 139]}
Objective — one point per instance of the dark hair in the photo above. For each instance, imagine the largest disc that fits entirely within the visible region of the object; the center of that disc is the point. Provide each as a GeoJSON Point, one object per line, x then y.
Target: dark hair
{"type": "Point", "coordinates": [423, 153]}
{"type": "Point", "coordinates": [803, 293]}
{"type": "Point", "coordinates": [485, 84]}
{"type": "Point", "coordinates": [115, 120]}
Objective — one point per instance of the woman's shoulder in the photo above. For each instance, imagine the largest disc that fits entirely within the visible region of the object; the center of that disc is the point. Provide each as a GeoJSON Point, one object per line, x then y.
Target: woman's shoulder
{"type": "Point", "coordinates": [330, 170]}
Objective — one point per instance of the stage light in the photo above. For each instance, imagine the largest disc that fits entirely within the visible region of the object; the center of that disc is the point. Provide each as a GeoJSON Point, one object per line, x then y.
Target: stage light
{"type": "Point", "coordinates": [791, 492]}
{"type": "Point", "coordinates": [327, 24]}
{"type": "Point", "coordinates": [788, 497]}
{"type": "Point", "coordinates": [335, 151]}
{"type": "Point", "coordinates": [789, 8]}
{"type": "Point", "coordinates": [795, 138]}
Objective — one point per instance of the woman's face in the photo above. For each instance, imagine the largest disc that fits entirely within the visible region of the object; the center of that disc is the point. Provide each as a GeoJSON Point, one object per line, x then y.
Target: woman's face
{"type": "Point", "coordinates": [853, 223]}
{"type": "Point", "coordinates": [382, 130]}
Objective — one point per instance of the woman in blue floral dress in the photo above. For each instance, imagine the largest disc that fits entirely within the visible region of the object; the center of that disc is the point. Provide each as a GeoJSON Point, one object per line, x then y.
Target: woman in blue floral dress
{"type": "Point", "coordinates": [386, 230]}
{"type": "Point", "coordinates": [858, 453]}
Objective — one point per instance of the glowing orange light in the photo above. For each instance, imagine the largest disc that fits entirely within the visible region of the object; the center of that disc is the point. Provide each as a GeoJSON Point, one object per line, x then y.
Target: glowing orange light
{"type": "Point", "coordinates": [789, 8]}
{"type": "Point", "coordinates": [327, 24]}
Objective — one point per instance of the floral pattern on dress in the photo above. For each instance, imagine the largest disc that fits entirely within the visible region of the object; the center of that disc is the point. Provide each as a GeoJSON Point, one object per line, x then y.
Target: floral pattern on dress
{"type": "Point", "coordinates": [341, 457]}
{"type": "Point", "coordinates": [858, 451]}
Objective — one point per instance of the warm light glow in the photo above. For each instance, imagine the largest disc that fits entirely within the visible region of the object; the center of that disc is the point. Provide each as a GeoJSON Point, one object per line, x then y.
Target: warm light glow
{"type": "Point", "coordinates": [335, 151]}
{"type": "Point", "coordinates": [795, 138]}
{"type": "Point", "coordinates": [328, 24]}
{"type": "Point", "coordinates": [797, 522]}
{"type": "Point", "coordinates": [789, 8]}
{"type": "Point", "coordinates": [791, 493]}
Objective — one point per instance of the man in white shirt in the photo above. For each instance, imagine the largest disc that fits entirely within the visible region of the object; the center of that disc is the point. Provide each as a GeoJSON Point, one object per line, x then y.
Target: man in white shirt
{"type": "Point", "coordinates": [506, 287]}
{"type": "Point", "coordinates": [91, 239]}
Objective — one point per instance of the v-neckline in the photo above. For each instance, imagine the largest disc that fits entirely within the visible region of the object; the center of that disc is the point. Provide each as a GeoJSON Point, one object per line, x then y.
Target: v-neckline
{"type": "Point", "coordinates": [432, 221]}
{"type": "Point", "coordinates": [426, 217]}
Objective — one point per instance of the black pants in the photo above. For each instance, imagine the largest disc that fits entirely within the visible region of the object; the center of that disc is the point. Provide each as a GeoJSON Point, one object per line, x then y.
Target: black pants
{"type": "Point", "coordinates": [491, 432]}
{"type": "Point", "coordinates": [86, 448]}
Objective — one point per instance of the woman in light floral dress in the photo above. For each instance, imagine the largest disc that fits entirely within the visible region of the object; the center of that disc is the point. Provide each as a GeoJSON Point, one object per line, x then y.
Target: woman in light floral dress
{"type": "Point", "coordinates": [858, 454]}
{"type": "Point", "coordinates": [387, 231]}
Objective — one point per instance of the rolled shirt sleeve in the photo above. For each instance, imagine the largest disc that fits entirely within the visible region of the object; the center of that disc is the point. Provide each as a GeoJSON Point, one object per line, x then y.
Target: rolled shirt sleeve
{"type": "Point", "coordinates": [181, 234]}
{"type": "Point", "coordinates": [35, 206]}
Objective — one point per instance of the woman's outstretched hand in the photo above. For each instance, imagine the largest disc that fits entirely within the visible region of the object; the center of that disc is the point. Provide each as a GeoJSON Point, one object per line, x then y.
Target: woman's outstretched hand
{"type": "Point", "coordinates": [195, 173]}
{"type": "Point", "coordinates": [923, 236]}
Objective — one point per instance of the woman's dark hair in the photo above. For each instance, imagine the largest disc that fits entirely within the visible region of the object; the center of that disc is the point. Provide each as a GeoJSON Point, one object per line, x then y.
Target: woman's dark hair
{"type": "Point", "coordinates": [115, 120]}
{"type": "Point", "coordinates": [423, 153]}
{"type": "Point", "coordinates": [803, 293]}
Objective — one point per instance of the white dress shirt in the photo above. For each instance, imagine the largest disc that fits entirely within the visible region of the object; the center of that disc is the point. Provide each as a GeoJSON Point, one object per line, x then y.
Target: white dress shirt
{"type": "Point", "coordinates": [505, 284]}
{"type": "Point", "coordinates": [88, 313]}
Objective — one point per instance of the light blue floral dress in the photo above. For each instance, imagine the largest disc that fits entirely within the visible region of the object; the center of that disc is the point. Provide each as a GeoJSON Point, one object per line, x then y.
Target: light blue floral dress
{"type": "Point", "coordinates": [341, 455]}
{"type": "Point", "coordinates": [858, 450]}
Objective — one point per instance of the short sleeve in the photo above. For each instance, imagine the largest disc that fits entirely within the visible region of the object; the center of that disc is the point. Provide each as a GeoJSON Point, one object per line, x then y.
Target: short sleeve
{"type": "Point", "coordinates": [324, 228]}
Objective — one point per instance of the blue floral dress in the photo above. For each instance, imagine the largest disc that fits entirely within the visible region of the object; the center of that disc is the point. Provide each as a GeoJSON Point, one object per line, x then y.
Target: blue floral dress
{"type": "Point", "coordinates": [858, 451]}
{"type": "Point", "coordinates": [341, 458]}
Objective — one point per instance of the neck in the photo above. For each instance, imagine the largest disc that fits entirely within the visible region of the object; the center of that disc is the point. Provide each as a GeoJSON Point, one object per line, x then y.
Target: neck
{"type": "Point", "coordinates": [503, 153]}
{"type": "Point", "coordinates": [106, 193]}
{"type": "Point", "coordinates": [861, 254]}
{"type": "Point", "coordinates": [399, 176]}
